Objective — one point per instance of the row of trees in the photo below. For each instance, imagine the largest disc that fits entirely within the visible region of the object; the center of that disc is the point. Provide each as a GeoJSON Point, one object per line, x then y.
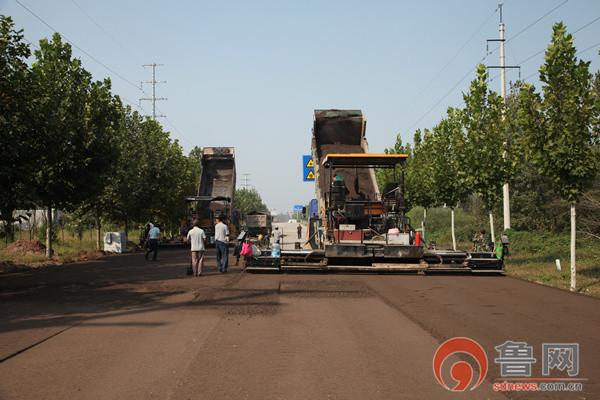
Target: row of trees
{"type": "Point", "coordinates": [69, 143]}
{"type": "Point", "coordinates": [546, 144]}
{"type": "Point", "coordinates": [248, 200]}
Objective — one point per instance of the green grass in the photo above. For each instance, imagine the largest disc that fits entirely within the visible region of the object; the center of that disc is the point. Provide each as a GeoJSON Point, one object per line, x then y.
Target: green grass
{"type": "Point", "coordinates": [67, 248]}
{"type": "Point", "coordinates": [533, 254]}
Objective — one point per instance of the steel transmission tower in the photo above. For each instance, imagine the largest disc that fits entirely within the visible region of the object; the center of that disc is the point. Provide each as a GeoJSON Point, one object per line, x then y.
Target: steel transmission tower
{"type": "Point", "coordinates": [153, 82]}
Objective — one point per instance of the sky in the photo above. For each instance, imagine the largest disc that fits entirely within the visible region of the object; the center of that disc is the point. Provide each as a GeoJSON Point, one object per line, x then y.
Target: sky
{"type": "Point", "coordinates": [249, 74]}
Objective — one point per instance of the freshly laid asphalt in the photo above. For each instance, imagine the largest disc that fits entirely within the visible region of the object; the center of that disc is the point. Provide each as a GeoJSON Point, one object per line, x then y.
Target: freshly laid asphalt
{"type": "Point", "coordinates": [123, 328]}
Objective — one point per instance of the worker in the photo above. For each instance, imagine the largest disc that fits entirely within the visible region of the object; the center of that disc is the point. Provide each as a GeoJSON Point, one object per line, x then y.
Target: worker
{"type": "Point", "coordinates": [153, 238]}
{"type": "Point", "coordinates": [221, 239]}
{"type": "Point", "coordinates": [197, 238]}
{"type": "Point", "coordinates": [479, 242]}
{"type": "Point", "coordinates": [277, 235]}
{"type": "Point", "coordinates": [505, 242]}
{"type": "Point", "coordinates": [238, 246]}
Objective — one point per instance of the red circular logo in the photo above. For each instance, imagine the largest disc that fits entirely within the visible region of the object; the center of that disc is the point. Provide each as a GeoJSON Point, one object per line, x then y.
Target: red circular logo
{"type": "Point", "coordinates": [461, 371]}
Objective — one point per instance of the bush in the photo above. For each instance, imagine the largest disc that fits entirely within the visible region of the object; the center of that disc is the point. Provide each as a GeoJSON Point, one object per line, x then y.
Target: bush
{"type": "Point", "coordinates": [438, 225]}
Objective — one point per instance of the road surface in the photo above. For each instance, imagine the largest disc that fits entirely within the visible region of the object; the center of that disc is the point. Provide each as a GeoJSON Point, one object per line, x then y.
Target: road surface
{"type": "Point", "coordinates": [123, 328]}
{"type": "Point", "coordinates": [290, 234]}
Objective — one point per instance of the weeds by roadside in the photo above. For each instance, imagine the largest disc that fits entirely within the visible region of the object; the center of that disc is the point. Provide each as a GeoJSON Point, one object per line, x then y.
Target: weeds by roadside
{"type": "Point", "coordinates": [533, 254]}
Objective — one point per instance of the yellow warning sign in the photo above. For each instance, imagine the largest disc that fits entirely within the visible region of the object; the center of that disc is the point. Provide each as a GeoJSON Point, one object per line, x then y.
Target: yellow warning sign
{"type": "Point", "coordinates": [310, 164]}
{"type": "Point", "coordinates": [310, 176]}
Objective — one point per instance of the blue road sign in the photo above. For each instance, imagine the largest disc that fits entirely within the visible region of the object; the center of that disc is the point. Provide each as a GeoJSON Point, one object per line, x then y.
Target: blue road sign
{"type": "Point", "coordinates": [298, 207]}
{"type": "Point", "coordinates": [308, 168]}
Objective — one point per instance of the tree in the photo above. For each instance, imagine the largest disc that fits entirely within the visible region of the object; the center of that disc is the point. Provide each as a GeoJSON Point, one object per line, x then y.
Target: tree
{"type": "Point", "coordinates": [485, 135]}
{"type": "Point", "coordinates": [249, 200]}
{"type": "Point", "coordinates": [179, 178]}
{"type": "Point", "coordinates": [558, 127]}
{"type": "Point", "coordinates": [449, 177]}
{"type": "Point", "coordinates": [101, 148]}
{"type": "Point", "coordinates": [61, 87]}
{"type": "Point", "coordinates": [596, 97]}
{"type": "Point", "coordinates": [419, 178]}
{"type": "Point", "coordinates": [385, 175]}
{"type": "Point", "coordinates": [16, 141]}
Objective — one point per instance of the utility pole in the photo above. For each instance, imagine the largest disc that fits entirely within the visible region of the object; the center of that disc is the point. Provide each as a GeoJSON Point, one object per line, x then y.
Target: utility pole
{"type": "Point", "coordinates": [503, 67]}
{"type": "Point", "coordinates": [505, 188]}
{"type": "Point", "coordinates": [153, 99]}
{"type": "Point", "coordinates": [246, 179]}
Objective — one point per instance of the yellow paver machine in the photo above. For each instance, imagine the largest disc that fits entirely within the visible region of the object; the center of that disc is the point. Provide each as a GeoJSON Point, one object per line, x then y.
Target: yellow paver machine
{"type": "Point", "coordinates": [359, 228]}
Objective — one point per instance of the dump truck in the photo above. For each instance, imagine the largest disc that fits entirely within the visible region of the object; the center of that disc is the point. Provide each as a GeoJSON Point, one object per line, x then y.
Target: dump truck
{"type": "Point", "coordinates": [258, 223]}
{"type": "Point", "coordinates": [359, 228]}
{"type": "Point", "coordinates": [215, 196]}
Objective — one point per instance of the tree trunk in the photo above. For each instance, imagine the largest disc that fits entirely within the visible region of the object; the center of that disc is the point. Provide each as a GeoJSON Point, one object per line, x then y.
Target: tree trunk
{"type": "Point", "coordinates": [492, 233]}
{"type": "Point", "coordinates": [126, 226]}
{"type": "Point", "coordinates": [34, 226]}
{"type": "Point", "coordinates": [423, 223]}
{"type": "Point", "coordinates": [452, 223]}
{"type": "Point", "coordinates": [573, 237]}
{"type": "Point", "coordinates": [98, 228]}
{"type": "Point", "coordinates": [49, 233]}
{"type": "Point", "coordinates": [9, 232]}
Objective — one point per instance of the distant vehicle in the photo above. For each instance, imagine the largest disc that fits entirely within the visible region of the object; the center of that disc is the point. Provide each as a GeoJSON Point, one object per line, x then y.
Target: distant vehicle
{"type": "Point", "coordinates": [292, 221]}
{"type": "Point", "coordinates": [258, 223]}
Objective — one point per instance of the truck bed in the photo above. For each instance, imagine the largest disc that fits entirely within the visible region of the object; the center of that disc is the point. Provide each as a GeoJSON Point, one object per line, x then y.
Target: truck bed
{"type": "Point", "coordinates": [342, 132]}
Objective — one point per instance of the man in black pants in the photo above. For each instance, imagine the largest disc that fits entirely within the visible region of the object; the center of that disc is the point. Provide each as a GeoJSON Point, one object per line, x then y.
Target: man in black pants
{"type": "Point", "coordinates": [153, 238]}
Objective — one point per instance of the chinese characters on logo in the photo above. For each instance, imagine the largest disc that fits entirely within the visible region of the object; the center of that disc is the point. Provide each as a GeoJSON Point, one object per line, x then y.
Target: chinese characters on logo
{"type": "Point", "coordinates": [516, 358]}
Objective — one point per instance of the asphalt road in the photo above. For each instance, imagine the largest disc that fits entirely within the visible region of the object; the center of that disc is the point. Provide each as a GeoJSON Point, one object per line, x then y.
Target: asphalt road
{"type": "Point", "coordinates": [123, 328]}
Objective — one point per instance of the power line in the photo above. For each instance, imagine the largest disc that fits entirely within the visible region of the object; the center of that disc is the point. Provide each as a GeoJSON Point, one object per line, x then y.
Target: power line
{"type": "Point", "coordinates": [77, 47]}
{"type": "Point", "coordinates": [494, 50]}
{"type": "Point", "coordinates": [456, 54]}
{"type": "Point", "coordinates": [131, 103]}
{"type": "Point", "coordinates": [588, 48]}
{"type": "Point", "coordinates": [450, 91]}
{"type": "Point", "coordinates": [575, 31]}
{"type": "Point", "coordinates": [544, 49]}
{"type": "Point", "coordinates": [31, 43]}
{"type": "Point", "coordinates": [98, 62]}
{"type": "Point", "coordinates": [588, 24]}
{"type": "Point", "coordinates": [536, 21]}
{"type": "Point", "coordinates": [101, 27]}
{"type": "Point", "coordinates": [532, 24]}
{"type": "Point", "coordinates": [578, 53]}
{"type": "Point", "coordinates": [441, 99]}
{"type": "Point", "coordinates": [178, 131]}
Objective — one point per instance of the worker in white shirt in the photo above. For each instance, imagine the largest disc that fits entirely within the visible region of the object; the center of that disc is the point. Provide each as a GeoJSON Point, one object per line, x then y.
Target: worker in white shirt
{"type": "Point", "coordinates": [221, 240]}
{"type": "Point", "coordinates": [196, 237]}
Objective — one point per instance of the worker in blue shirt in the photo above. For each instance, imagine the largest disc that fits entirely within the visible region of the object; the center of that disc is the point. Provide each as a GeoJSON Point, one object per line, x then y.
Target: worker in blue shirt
{"type": "Point", "coordinates": [153, 238]}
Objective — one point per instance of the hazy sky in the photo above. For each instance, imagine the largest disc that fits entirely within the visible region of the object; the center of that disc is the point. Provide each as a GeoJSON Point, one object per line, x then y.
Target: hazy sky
{"type": "Point", "coordinates": [250, 73]}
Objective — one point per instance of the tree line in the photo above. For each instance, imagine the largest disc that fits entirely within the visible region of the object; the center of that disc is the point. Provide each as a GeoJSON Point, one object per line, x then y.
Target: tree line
{"type": "Point", "coordinates": [544, 143]}
{"type": "Point", "coordinates": [69, 143]}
